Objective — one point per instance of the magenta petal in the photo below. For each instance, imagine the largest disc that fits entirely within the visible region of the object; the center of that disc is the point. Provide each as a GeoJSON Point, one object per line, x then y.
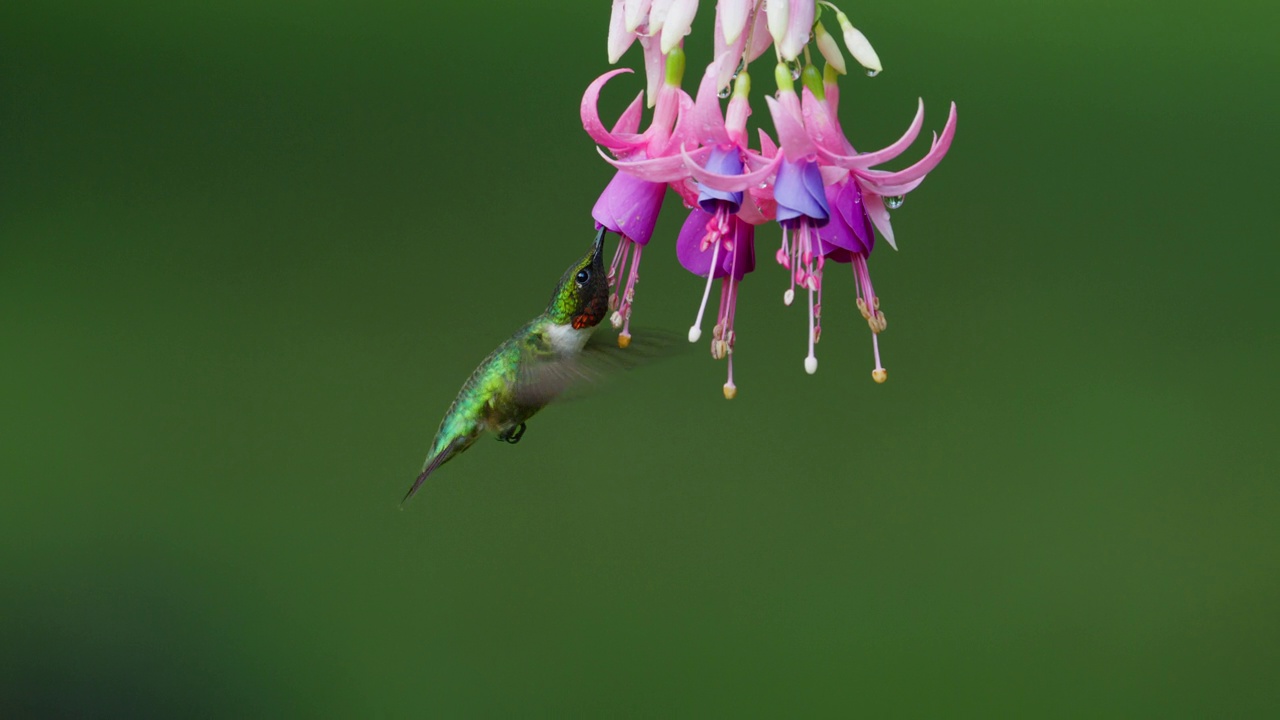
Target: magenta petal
{"type": "Point", "coordinates": [629, 207]}
{"type": "Point", "coordinates": [689, 244]}
{"type": "Point", "coordinates": [729, 183]}
{"type": "Point", "coordinates": [796, 143]}
{"type": "Point", "coordinates": [879, 215]}
{"type": "Point", "coordinates": [927, 163]}
{"type": "Point", "coordinates": [591, 116]}
{"type": "Point", "coordinates": [862, 161]}
{"type": "Point", "coordinates": [738, 262]}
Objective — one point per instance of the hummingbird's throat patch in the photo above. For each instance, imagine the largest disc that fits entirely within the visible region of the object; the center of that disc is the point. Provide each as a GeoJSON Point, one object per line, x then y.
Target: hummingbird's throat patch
{"type": "Point", "coordinates": [591, 315]}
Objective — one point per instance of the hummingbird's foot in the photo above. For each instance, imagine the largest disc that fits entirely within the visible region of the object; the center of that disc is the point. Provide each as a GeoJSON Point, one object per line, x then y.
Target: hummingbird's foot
{"type": "Point", "coordinates": [514, 434]}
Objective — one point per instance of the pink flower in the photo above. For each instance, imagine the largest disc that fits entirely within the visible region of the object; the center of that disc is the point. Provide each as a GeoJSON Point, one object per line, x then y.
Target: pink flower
{"type": "Point", "coordinates": [629, 205]}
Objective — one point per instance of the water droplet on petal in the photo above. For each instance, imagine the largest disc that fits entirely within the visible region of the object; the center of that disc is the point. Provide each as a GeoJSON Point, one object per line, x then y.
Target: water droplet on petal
{"type": "Point", "coordinates": [795, 73]}
{"type": "Point", "coordinates": [872, 73]}
{"type": "Point", "coordinates": [893, 202]}
{"type": "Point", "coordinates": [724, 92]}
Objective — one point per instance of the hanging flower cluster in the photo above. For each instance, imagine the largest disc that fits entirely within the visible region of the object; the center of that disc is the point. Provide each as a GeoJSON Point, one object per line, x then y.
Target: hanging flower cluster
{"type": "Point", "coordinates": [825, 196]}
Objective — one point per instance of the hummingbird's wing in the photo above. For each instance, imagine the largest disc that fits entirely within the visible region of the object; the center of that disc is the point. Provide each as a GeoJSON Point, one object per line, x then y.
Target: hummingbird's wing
{"type": "Point", "coordinates": [544, 377]}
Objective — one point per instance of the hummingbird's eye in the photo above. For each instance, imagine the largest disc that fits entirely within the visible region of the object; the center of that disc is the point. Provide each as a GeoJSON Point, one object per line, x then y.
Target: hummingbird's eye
{"type": "Point", "coordinates": [583, 276]}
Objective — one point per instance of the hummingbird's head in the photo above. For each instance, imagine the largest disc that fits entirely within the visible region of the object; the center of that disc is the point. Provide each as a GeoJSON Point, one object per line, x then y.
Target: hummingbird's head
{"type": "Point", "coordinates": [582, 297]}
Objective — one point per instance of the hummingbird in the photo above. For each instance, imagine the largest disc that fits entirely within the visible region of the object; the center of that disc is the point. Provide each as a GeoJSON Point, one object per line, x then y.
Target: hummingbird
{"type": "Point", "coordinates": [546, 356]}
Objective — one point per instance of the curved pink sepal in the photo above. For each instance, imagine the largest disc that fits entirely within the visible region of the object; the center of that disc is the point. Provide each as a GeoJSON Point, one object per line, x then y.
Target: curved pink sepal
{"type": "Point", "coordinates": [730, 183]}
{"type": "Point", "coordinates": [796, 143]}
{"type": "Point", "coordinates": [591, 115]}
{"type": "Point", "coordinates": [863, 161]}
{"type": "Point", "coordinates": [666, 169]}
{"type": "Point", "coordinates": [924, 165]}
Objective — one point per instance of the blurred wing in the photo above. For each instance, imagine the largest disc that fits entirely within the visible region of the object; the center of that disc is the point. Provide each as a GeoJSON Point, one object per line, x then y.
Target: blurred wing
{"type": "Point", "coordinates": [544, 377]}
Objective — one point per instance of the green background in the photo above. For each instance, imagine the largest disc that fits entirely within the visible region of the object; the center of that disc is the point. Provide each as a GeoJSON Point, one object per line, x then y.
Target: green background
{"type": "Point", "coordinates": [250, 250]}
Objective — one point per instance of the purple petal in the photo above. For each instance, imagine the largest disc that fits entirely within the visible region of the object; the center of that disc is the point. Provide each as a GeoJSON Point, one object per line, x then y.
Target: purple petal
{"type": "Point", "coordinates": [738, 262]}
{"type": "Point", "coordinates": [629, 206]}
{"type": "Point", "coordinates": [850, 228]}
{"type": "Point", "coordinates": [724, 162]}
{"type": "Point", "coordinates": [689, 244]}
{"type": "Point", "coordinates": [798, 190]}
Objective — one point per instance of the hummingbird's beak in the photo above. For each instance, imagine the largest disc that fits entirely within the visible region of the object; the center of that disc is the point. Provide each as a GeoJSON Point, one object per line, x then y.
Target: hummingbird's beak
{"type": "Point", "coordinates": [598, 249]}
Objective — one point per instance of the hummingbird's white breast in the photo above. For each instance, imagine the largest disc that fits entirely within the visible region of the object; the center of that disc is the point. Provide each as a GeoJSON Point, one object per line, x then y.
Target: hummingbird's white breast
{"type": "Point", "coordinates": [566, 339]}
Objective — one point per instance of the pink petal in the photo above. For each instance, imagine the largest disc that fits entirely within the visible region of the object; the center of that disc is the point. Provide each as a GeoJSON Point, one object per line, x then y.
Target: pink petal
{"type": "Point", "coordinates": [591, 116]}
{"type": "Point", "coordinates": [927, 163]}
{"type": "Point", "coordinates": [760, 40]}
{"type": "Point", "coordinates": [862, 161]}
{"type": "Point", "coordinates": [891, 190]}
{"type": "Point", "coordinates": [796, 143]}
{"type": "Point", "coordinates": [667, 169]}
{"type": "Point", "coordinates": [874, 205]}
{"type": "Point", "coordinates": [665, 140]}
{"type": "Point", "coordinates": [767, 146]}
{"type": "Point", "coordinates": [729, 183]}
{"type": "Point", "coordinates": [707, 122]}
{"type": "Point", "coordinates": [824, 130]}
{"type": "Point", "coordinates": [832, 175]}
{"type": "Point", "coordinates": [629, 121]}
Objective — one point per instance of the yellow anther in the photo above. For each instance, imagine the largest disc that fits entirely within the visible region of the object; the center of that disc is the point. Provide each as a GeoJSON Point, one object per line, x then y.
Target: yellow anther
{"type": "Point", "coordinates": [880, 375]}
{"type": "Point", "coordinates": [730, 391]}
{"type": "Point", "coordinates": [624, 341]}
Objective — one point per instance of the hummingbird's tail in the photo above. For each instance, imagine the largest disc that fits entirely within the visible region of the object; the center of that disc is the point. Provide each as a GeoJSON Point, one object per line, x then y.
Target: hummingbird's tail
{"type": "Point", "coordinates": [435, 462]}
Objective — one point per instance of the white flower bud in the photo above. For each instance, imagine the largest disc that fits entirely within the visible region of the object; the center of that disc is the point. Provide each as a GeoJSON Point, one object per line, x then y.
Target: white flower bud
{"type": "Point", "coordinates": [678, 23]}
{"type": "Point", "coordinates": [830, 49]}
{"type": "Point", "coordinates": [637, 13]}
{"type": "Point", "coordinates": [777, 12]}
{"type": "Point", "coordinates": [858, 45]}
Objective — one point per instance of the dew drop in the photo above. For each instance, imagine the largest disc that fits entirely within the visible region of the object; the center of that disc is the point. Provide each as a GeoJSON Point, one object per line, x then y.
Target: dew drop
{"type": "Point", "coordinates": [872, 73]}
{"type": "Point", "coordinates": [724, 92]}
{"type": "Point", "coordinates": [894, 202]}
{"type": "Point", "coordinates": [795, 73]}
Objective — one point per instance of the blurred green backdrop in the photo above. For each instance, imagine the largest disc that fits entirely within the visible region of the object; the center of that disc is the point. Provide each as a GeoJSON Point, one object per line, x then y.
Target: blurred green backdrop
{"type": "Point", "coordinates": [249, 250]}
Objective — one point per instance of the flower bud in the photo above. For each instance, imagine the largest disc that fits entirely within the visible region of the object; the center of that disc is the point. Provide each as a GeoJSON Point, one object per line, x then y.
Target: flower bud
{"type": "Point", "coordinates": [678, 22]}
{"type": "Point", "coordinates": [858, 45]}
{"type": "Point", "coordinates": [829, 48]}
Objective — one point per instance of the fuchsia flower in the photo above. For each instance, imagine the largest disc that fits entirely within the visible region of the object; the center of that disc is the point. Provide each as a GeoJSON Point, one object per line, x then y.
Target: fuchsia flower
{"type": "Point", "coordinates": [858, 193]}
{"type": "Point", "coordinates": [629, 205]}
{"type": "Point", "coordinates": [828, 199]}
